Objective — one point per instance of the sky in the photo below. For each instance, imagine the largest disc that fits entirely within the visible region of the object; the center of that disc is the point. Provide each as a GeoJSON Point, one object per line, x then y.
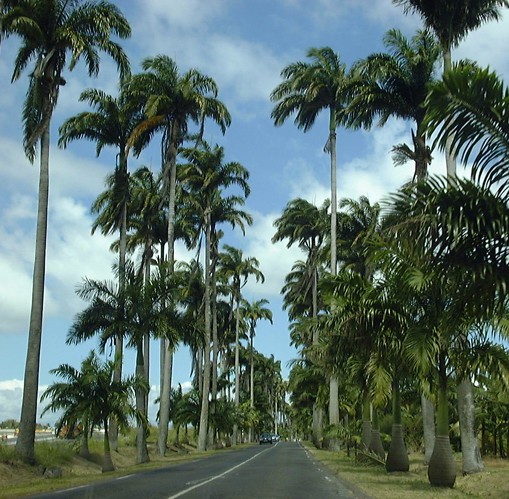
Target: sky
{"type": "Point", "coordinates": [243, 45]}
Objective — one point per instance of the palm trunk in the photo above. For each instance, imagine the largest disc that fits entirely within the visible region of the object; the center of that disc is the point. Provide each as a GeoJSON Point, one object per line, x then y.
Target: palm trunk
{"type": "Point", "coordinates": [25, 442]}
{"type": "Point", "coordinates": [107, 461]}
{"type": "Point", "coordinates": [141, 432]}
{"type": "Point", "coordinates": [375, 444]}
{"type": "Point", "coordinates": [84, 449]}
{"type": "Point", "coordinates": [204, 415]}
{"type": "Point", "coordinates": [237, 363]}
{"type": "Point", "coordinates": [164, 403]}
{"type": "Point", "coordinates": [366, 422]}
{"type": "Point", "coordinates": [450, 158]}
{"type": "Point", "coordinates": [215, 353]}
{"type": "Point", "coordinates": [119, 343]}
{"type": "Point", "coordinates": [472, 461]}
{"type": "Point", "coordinates": [428, 422]}
{"type": "Point", "coordinates": [442, 468]}
{"type": "Point", "coordinates": [397, 458]}
{"type": "Point", "coordinates": [333, 383]}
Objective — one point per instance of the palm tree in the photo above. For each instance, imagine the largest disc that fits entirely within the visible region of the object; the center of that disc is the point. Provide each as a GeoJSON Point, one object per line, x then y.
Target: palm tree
{"type": "Point", "coordinates": [451, 21]}
{"type": "Point", "coordinates": [94, 394]}
{"type": "Point", "coordinates": [110, 125]}
{"type": "Point", "coordinates": [308, 225]}
{"type": "Point", "coordinates": [205, 176]}
{"type": "Point", "coordinates": [307, 89]}
{"type": "Point", "coordinates": [396, 84]}
{"type": "Point", "coordinates": [452, 257]}
{"type": "Point", "coordinates": [135, 310]}
{"type": "Point", "coordinates": [238, 269]}
{"type": "Point", "coordinates": [471, 105]}
{"type": "Point", "coordinates": [252, 313]}
{"type": "Point", "coordinates": [172, 101]}
{"type": "Point", "coordinates": [49, 31]}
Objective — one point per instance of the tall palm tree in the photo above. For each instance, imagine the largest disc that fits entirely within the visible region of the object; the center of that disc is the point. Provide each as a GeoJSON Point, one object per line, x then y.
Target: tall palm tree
{"type": "Point", "coordinates": [238, 269]}
{"type": "Point", "coordinates": [173, 100]}
{"type": "Point", "coordinates": [303, 223]}
{"type": "Point", "coordinates": [308, 89]}
{"type": "Point", "coordinates": [451, 21]}
{"type": "Point", "coordinates": [111, 124]}
{"type": "Point", "coordinates": [396, 84]}
{"type": "Point", "coordinates": [205, 176]}
{"type": "Point", "coordinates": [95, 394]}
{"type": "Point", "coordinates": [50, 30]}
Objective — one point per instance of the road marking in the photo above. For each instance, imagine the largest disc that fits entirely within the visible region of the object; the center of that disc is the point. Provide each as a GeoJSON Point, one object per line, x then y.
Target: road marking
{"type": "Point", "coordinates": [124, 477]}
{"type": "Point", "coordinates": [182, 492]}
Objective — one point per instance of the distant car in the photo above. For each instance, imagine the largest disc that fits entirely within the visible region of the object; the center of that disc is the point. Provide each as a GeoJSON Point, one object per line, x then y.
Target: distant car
{"type": "Point", "coordinates": [276, 438]}
{"type": "Point", "coordinates": [265, 438]}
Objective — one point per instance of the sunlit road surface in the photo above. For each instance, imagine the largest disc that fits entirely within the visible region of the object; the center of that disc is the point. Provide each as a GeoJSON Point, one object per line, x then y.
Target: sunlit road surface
{"type": "Point", "coordinates": [8, 437]}
{"type": "Point", "coordinates": [279, 471]}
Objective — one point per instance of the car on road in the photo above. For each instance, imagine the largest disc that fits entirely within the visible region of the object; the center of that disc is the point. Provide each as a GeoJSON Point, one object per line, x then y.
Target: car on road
{"type": "Point", "coordinates": [265, 438]}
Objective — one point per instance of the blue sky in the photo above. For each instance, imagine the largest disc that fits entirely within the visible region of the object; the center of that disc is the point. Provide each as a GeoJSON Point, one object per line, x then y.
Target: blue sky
{"type": "Point", "coordinates": [243, 45]}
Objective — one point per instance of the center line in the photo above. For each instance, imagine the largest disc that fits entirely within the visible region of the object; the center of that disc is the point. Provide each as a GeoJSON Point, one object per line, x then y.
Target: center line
{"type": "Point", "coordinates": [181, 493]}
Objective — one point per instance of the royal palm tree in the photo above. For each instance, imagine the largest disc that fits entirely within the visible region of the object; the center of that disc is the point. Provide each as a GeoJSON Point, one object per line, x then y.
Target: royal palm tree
{"type": "Point", "coordinates": [173, 100]}
{"type": "Point", "coordinates": [95, 394]}
{"type": "Point", "coordinates": [252, 313]}
{"type": "Point", "coordinates": [396, 84]}
{"type": "Point", "coordinates": [111, 124]}
{"type": "Point", "coordinates": [238, 269]}
{"type": "Point", "coordinates": [308, 89]}
{"type": "Point", "coordinates": [303, 223]}
{"type": "Point", "coordinates": [205, 176]}
{"type": "Point", "coordinates": [451, 21]}
{"type": "Point", "coordinates": [50, 30]}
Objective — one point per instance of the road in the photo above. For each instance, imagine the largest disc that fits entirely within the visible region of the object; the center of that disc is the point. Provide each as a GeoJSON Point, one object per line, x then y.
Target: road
{"type": "Point", "coordinates": [279, 471]}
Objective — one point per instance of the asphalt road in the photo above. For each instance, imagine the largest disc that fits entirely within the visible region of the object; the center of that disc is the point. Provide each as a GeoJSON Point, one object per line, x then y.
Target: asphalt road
{"type": "Point", "coordinates": [279, 471]}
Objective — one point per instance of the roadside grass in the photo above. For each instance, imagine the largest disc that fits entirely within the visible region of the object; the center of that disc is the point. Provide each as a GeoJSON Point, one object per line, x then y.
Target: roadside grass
{"type": "Point", "coordinates": [376, 483]}
{"type": "Point", "coordinates": [20, 480]}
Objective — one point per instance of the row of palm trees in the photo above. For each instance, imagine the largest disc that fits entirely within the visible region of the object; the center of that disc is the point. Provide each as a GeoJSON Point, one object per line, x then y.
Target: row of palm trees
{"type": "Point", "coordinates": [188, 202]}
{"type": "Point", "coordinates": [402, 307]}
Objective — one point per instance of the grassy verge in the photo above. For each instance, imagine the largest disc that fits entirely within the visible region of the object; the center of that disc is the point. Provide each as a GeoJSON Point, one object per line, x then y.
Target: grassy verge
{"type": "Point", "coordinates": [19, 480]}
{"type": "Point", "coordinates": [375, 482]}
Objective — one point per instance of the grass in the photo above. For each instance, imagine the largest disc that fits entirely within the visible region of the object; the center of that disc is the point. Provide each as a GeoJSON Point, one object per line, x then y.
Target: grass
{"type": "Point", "coordinates": [19, 480]}
{"type": "Point", "coordinates": [376, 483]}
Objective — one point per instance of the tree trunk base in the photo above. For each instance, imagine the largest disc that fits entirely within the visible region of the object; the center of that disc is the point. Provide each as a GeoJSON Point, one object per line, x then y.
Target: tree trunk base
{"type": "Point", "coordinates": [442, 468]}
{"type": "Point", "coordinates": [376, 445]}
{"type": "Point", "coordinates": [397, 458]}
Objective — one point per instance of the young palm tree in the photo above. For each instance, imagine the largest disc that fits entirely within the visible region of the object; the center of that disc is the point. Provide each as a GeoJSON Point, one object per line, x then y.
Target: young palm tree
{"type": "Point", "coordinates": [471, 105]}
{"type": "Point", "coordinates": [94, 394]}
{"type": "Point", "coordinates": [451, 21]}
{"type": "Point", "coordinates": [135, 310]}
{"type": "Point", "coordinates": [453, 256]}
{"type": "Point", "coordinates": [50, 30]}
{"type": "Point", "coordinates": [238, 269]}
{"type": "Point", "coordinates": [396, 84]}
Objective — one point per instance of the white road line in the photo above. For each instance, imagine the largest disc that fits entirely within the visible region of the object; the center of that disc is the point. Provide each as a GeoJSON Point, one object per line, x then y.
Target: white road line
{"type": "Point", "coordinates": [124, 477]}
{"type": "Point", "coordinates": [181, 493]}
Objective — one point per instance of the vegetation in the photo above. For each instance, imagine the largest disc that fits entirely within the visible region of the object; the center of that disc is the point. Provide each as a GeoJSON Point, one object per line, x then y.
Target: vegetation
{"type": "Point", "coordinates": [396, 307]}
